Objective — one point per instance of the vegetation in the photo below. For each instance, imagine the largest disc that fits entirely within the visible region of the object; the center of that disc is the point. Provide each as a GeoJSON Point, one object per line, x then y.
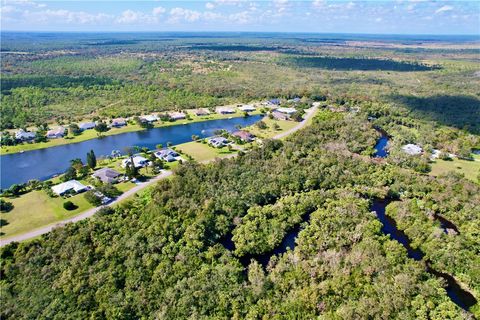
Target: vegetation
{"type": "Point", "coordinates": [163, 254]}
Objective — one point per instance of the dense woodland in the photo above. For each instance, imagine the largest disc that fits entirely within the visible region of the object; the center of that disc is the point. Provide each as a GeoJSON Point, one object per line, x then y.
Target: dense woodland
{"type": "Point", "coordinates": [162, 254]}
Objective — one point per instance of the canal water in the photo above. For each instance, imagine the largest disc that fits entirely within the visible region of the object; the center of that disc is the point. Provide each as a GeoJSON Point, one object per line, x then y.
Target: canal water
{"type": "Point", "coordinates": [44, 163]}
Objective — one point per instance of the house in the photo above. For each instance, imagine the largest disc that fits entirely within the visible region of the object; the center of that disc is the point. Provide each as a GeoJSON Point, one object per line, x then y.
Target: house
{"type": "Point", "coordinates": [225, 110]}
{"type": "Point", "coordinates": [138, 162]}
{"type": "Point", "coordinates": [149, 118]}
{"type": "Point", "coordinates": [287, 110]}
{"type": "Point", "coordinates": [24, 135]}
{"type": "Point", "coordinates": [218, 142]}
{"type": "Point", "coordinates": [275, 102]}
{"type": "Point", "coordinates": [201, 112]}
{"type": "Point", "coordinates": [176, 115]}
{"type": "Point", "coordinates": [56, 133]}
{"type": "Point", "coordinates": [71, 186]}
{"type": "Point", "coordinates": [247, 108]}
{"type": "Point", "coordinates": [412, 149]}
{"type": "Point", "coordinates": [86, 125]}
{"type": "Point", "coordinates": [118, 122]}
{"type": "Point", "coordinates": [244, 135]}
{"type": "Point", "coordinates": [168, 155]}
{"type": "Point", "coordinates": [106, 175]}
{"type": "Point", "coordinates": [296, 100]}
{"type": "Point", "coordinates": [280, 116]}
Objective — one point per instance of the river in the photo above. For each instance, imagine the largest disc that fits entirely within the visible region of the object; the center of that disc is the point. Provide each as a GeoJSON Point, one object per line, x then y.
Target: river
{"type": "Point", "coordinates": [43, 164]}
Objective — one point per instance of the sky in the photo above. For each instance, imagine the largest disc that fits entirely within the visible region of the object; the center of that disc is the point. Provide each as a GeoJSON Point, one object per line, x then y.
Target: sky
{"type": "Point", "coordinates": [322, 16]}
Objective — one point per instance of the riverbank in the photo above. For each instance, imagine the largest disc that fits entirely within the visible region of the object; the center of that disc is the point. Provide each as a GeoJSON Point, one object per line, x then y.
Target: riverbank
{"type": "Point", "coordinates": [207, 154]}
{"type": "Point", "coordinates": [92, 134]}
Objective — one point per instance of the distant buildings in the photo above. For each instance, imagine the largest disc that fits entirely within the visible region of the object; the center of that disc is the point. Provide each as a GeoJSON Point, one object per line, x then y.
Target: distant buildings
{"type": "Point", "coordinates": [244, 135]}
{"type": "Point", "coordinates": [218, 142]}
{"type": "Point", "coordinates": [56, 133]}
{"type": "Point", "coordinates": [118, 122]}
{"type": "Point", "coordinates": [72, 186]}
{"type": "Point", "coordinates": [274, 102]}
{"type": "Point", "coordinates": [225, 110]}
{"type": "Point", "coordinates": [86, 125]}
{"type": "Point", "coordinates": [107, 175]}
{"type": "Point", "coordinates": [168, 155]}
{"type": "Point", "coordinates": [23, 135]}
{"type": "Point", "coordinates": [288, 111]}
{"type": "Point", "coordinates": [138, 162]}
{"type": "Point", "coordinates": [201, 112]}
{"type": "Point", "coordinates": [280, 116]}
{"type": "Point", "coordinates": [247, 108]}
{"type": "Point", "coordinates": [176, 115]}
{"type": "Point", "coordinates": [412, 149]}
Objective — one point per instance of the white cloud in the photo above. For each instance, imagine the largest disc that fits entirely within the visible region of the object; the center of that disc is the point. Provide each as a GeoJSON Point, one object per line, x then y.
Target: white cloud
{"type": "Point", "coordinates": [158, 11]}
{"type": "Point", "coordinates": [178, 14]}
{"type": "Point", "coordinates": [209, 6]}
{"type": "Point", "coordinates": [319, 4]}
{"type": "Point", "coordinates": [444, 9]}
{"type": "Point", "coordinates": [130, 16]}
{"type": "Point", "coordinates": [61, 15]}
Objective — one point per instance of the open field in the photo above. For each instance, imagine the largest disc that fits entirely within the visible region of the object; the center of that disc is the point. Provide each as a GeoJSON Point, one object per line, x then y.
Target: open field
{"type": "Point", "coordinates": [202, 151]}
{"type": "Point", "coordinates": [471, 169]}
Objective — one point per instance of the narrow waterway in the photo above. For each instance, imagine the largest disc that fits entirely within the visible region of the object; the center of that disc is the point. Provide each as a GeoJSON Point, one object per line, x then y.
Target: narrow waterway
{"type": "Point", "coordinates": [44, 163]}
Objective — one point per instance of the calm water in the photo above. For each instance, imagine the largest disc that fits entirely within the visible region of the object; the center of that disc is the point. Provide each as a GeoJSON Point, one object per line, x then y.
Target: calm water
{"type": "Point", "coordinates": [45, 163]}
{"type": "Point", "coordinates": [381, 145]}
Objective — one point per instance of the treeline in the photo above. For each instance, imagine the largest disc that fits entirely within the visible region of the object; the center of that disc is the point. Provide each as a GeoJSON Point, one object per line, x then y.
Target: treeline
{"type": "Point", "coordinates": [10, 82]}
{"type": "Point", "coordinates": [364, 64]}
{"type": "Point", "coordinates": [159, 256]}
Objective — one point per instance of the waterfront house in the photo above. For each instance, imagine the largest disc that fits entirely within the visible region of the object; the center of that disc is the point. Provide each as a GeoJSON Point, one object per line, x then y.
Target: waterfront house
{"type": "Point", "coordinates": [118, 122]}
{"type": "Point", "coordinates": [107, 175]}
{"type": "Point", "coordinates": [218, 142]}
{"type": "Point", "coordinates": [244, 135]}
{"type": "Point", "coordinates": [71, 186]}
{"type": "Point", "coordinates": [225, 110]}
{"type": "Point", "coordinates": [56, 133]}
{"type": "Point", "coordinates": [247, 108]}
{"type": "Point", "coordinates": [149, 118]}
{"type": "Point", "coordinates": [168, 155]}
{"type": "Point", "coordinates": [280, 116]}
{"type": "Point", "coordinates": [86, 125]}
{"type": "Point", "coordinates": [289, 111]}
{"type": "Point", "coordinates": [174, 115]}
{"type": "Point", "coordinates": [138, 162]}
{"type": "Point", "coordinates": [412, 149]}
{"type": "Point", "coordinates": [23, 135]}
{"type": "Point", "coordinates": [201, 112]}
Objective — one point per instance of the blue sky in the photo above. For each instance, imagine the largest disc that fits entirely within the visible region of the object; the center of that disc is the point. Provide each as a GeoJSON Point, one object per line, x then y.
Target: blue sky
{"type": "Point", "coordinates": [325, 16]}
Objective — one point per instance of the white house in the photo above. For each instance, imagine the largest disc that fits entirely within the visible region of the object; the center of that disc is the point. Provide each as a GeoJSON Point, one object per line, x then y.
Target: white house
{"type": "Point", "coordinates": [118, 122]}
{"type": "Point", "coordinates": [287, 110]}
{"type": "Point", "coordinates": [56, 133]}
{"type": "Point", "coordinates": [176, 115]}
{"type": "Point", "coordinates": [149, 118]}
{"type": "Point", "coordinates": [225, 110]}
{"type": "Point", "coordinates": [138, 162]}
{"type": "Point", "coordinates": [247, 108]}
{"type": "Point", "coordinates": [24, 135]}
{"type": "Point", "coordinates": [168, 155]}
{"type": "Point", "coordinates": [218, 142]}
{"type": "Point", "coordinates": [69, 186]}
{"type": "Point", "coordinates": [412, 149]}
{"type": "Point", "coordinates": [86, 125]}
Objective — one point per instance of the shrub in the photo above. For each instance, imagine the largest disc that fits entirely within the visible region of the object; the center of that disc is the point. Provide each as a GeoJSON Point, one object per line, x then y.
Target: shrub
{"type": "Point", "coordinates": [5, 206]}
{"type": "Point", "coordinates": [92, 198]}
{"type": "Point", "coordinates": [69, 205]}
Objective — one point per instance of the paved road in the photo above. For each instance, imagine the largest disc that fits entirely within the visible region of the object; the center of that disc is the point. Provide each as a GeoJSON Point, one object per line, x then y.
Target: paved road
{"type": "Point", "coordinates": [38, 232]}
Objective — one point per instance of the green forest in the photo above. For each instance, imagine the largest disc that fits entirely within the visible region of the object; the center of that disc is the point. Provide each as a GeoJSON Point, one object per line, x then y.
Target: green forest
{"type": "Point", "coordinates": [164, 254]}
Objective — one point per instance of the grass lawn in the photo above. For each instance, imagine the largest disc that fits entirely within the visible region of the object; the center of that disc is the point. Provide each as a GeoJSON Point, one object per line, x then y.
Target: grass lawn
{"type": "Point", "coordinates": [270, 131]}
{"type": "Point", "coordinates": [471, 169]}
{"type": "Point", "coordinates": [92, 134]}
{"type": "Point", "coordinates": [36, 209]}
{"type": "Point", "coordinates": [202, 152]}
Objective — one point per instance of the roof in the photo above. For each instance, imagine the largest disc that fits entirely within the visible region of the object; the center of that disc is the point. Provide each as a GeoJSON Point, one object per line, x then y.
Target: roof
{"type": "Point", "coordinates": [149, 118]}
{"type": "Point", "coordinates": [218, 140]}
{"type": "Point", "coordinates": [412, 149]}
{"type": "Point", "coordinates": [201, 112]}
{"type": "Point", "coordinates": [176, 115]}
{"type": "Point", "coordinates": [24, 135]}
{"type": "Point", "coordinates": [280, 116]}
{"type": "Point", "coordinates": [287, 110]}
{"type": "Point", "coordinates": [118, 121]}
{"type": "Point", "coordinates": [86, 125]}
{"type": "Point", "coordinates": [274, 101]}
{"type": "Point", "coordinates": [67, 186]}
{"type": "Point", "coordinates": [244, 135]}
{"type": "Point", "coordinates": [166, 152]}
{"type": "Point", "coordinates": [138, 161]}
{"type": "Point", "coordinates": [247, 107]}
{"type": "Point", "coordinates": [58, 131]}
{"type": "Point", "coordinates": [107, 175]}
{"type": "Point", "coordinates": [225, 109]}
